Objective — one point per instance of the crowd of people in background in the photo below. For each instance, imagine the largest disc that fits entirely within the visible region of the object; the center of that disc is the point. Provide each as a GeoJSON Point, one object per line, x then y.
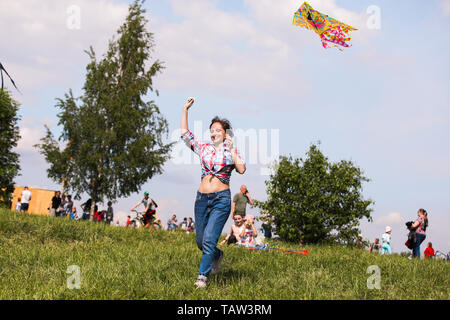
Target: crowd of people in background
{"type": "Point", "coordinates": [415, 237]}
{"type": "Point", "coordinates": [186, 225]}
{"type": "Point", "coordinates": [243, 232]}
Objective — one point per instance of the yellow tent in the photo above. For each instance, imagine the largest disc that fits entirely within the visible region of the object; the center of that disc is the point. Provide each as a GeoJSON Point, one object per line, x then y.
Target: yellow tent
{"type": "Point", "coordinates": [40, 199]}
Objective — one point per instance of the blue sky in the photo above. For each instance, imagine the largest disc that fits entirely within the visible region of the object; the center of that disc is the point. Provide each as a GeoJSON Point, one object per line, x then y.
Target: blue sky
{"type": "Point", "coordinates": [383, 103]}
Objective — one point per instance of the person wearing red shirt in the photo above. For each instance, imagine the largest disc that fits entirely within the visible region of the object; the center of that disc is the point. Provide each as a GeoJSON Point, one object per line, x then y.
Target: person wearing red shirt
{"type": "Point", "coordinates": [429, 251]}
{"type": "Point", "coordinates": [128, 221]}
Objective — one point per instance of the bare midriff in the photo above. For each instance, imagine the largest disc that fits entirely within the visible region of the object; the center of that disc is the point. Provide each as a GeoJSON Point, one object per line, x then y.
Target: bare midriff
{"type": "Point", "coordinates": [212, 184]}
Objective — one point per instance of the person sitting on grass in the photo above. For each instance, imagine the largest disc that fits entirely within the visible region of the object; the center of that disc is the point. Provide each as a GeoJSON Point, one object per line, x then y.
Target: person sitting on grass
{"type": "Point", "coordinates": [184, 224]}
{"type": "Point", "coordinates": [235, 233]}
{"type": "Point", "coordinates": [375, 247]}
{"type": "Point", "coordinates": [73, 214]}
{"type": "Point", "coordinates": [191, 225]}
{"type": "Point", "coordinates": [172, 223]}
{"type": "Point", "coordinates": [429, 251]}
{"type": "Point", "coordinates": [249, 233]}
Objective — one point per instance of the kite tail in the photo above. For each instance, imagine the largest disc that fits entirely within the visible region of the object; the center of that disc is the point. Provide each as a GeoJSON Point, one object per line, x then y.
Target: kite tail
{"type": "Point", "coordinates": [336, 36]}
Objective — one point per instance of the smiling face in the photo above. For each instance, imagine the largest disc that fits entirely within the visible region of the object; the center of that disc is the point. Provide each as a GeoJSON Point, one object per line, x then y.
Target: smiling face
{"type": "Point", "coordinates": [238, 220]}
{"type": "Point", "coordinates": [217, 133]}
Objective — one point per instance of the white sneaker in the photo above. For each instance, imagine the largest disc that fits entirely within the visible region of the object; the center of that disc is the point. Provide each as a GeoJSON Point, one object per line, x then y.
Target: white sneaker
{"type": "Point", "coordinates": [216, 267]}
{"type": "Point", "coordinates": [201, 282]}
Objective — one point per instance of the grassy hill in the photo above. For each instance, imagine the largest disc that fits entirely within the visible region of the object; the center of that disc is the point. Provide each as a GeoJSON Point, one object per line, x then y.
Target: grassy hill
{"type": "Point", "coordinates": [121, 263]}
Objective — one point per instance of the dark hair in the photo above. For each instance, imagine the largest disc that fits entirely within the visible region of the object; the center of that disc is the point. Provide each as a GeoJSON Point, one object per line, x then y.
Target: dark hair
{"type": "Point", "coordinates": [226, 125]}
{"type": "Point", "coordinates": [425, 213]}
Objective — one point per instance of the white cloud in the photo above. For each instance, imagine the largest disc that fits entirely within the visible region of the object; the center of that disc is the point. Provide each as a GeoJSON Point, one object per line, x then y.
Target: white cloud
{"type": "Point", "coordinates": [31, 131]}
{"type": "Point", "coordinates": [224, 53]}
{"type": "Point", "coordinates": [39, 49]}
{"type": "Point", "coordinates": [393, 218]}
{"type": "Point", "coordinates": [241, 55]}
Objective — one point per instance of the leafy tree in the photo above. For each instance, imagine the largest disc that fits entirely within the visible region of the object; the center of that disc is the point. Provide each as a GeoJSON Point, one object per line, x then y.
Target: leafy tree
{"type": "Point", "coordinates": [9, 135]}
{"type": "Point", "coordinates": [314, 200]}
{"type": "Point", "coordinates": [113, 138]}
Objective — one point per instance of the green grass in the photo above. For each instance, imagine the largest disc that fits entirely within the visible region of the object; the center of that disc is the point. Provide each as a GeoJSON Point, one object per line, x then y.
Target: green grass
{"type": "Point", "coordinates": [121, 263]}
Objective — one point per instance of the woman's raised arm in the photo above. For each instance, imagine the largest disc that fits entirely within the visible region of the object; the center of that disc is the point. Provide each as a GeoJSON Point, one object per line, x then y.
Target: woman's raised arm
{"type": "Point", "coordinates": [184, 116]}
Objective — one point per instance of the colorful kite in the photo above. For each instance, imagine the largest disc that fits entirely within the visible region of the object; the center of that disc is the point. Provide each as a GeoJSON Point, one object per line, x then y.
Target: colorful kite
{"type": "Point", "coordinates": [333, 33]}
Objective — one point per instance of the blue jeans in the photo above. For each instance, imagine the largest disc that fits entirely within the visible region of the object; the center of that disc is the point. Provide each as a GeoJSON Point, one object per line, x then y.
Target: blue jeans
{"type": "Point", "coordinates": [416, 249]}
{"type": "Point", "coordinates": [211, 213]}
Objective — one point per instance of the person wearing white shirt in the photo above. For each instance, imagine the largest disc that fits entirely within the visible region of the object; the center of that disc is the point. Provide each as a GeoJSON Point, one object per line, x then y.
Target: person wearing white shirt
{"type": "Point", "coordinates": [26, 197]}
{"type": "Point", "coordinates": [18, 205]}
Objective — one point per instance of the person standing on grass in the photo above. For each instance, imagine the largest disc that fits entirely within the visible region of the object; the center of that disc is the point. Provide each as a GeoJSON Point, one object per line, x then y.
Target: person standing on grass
{"type": "Point", "coordinates": [266, 226]}
{"type": "Point", "coordinates": [240, 201]}
{"type": "Point", "coordinates": [60, 211]}
{"type": "Point", "coordinates": [429, 251]}
{"type": "Point", "coordinates": [68, 206]}
{"type": "Point", "coordinates": [18, 206]}
{"type": "Point", "coordinates": [386, 241]}
{"type": "Point", "coordinates": [213, 200]}
{"type": "Point", "coordinates": [26, 197]}
{"type": "Point", "coordinates": [421, 224]}
{"type": "Point", "coordinates": [54, 205]}
{"type": "Point", "coordinates": [109, 213]}
{"type": "Point", "coordinates": [86, 207]}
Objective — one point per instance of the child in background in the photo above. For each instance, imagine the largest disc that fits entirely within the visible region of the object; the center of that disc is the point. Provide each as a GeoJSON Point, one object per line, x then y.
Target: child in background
{"type": "Point", "coordinates": [184, 224]}
{"type": "Point", "coordinates": [191, 225]}
{"type": "Point", "coordinates": [249, 233]}
{"type": "Point", "coordinates": [128, 221]}
{"type": "Point", "coordinates": [235, 232]}
{"type": "Point", "coordinates": [18, 205]}
{"type": "Point", "coordinates": [386, 241]}
{"type": "Point", "coordinates": [429, 251]}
